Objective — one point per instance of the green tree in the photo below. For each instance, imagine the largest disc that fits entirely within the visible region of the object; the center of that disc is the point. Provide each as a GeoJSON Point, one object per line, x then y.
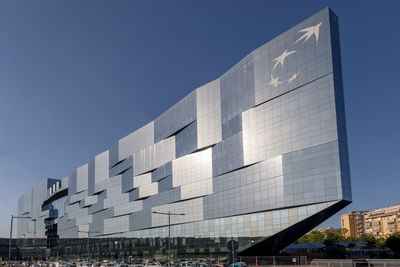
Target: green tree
{"type": "Point", "coordinates": [336, 235]}
{"type": "Point", "coordinates": [303, 240]}
{"type": "Point", "coordinates": [313, 236]}
{"type": "Point", "coordinates": [369, 240]}
{"type": "Point", "coordinates": [393, 242]}
{"type": "Point", "coordinates": [330, 242]}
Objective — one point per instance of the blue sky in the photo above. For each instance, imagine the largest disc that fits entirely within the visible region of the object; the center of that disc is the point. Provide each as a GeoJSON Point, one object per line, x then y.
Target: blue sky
{"type": "Point", "coordinates": [76, 76]}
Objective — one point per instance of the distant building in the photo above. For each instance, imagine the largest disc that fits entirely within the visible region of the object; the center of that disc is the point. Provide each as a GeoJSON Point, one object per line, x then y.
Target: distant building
{"type": "Point", "coordinates": [327, 230]}
{"type": "Point", "coordinates": [353, 224]}
{"type": "Point", "coordinates": [382, 222]}
{"type": "Point", "coordinates": [378, 223]}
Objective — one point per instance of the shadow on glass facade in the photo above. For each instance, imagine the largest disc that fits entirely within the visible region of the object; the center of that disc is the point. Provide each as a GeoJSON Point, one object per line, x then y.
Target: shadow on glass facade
{"type": "Point", "coordinates": [258, 155]}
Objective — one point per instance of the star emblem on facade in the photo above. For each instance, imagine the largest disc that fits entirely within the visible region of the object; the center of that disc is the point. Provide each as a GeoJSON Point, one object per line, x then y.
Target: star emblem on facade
{"type": "Point", "coordinates": [281, 58]}
{"type": "Point", "coordinates": [274, 81]}
{"type": "Point", "coordinates": [310, 31]}
{"type": "Point", "coordinates": [293, 77]}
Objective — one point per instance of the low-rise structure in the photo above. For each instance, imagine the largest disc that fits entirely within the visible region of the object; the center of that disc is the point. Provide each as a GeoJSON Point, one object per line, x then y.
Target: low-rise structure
{"type": "Point", "coordinates": [315, 250]}
{"type": "Point", "coordinates": [4, 247]}
{"type": "Point", "coordinates": [377, 223]}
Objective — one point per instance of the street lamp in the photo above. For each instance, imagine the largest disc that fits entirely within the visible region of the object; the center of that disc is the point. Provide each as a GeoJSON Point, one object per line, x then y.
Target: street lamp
{"type": "Point", "coordinates": [88, 236]}
{"type": "Point", "coordinates": [9, 242]}
{"type": "Point", "coordinates": [169, 230]}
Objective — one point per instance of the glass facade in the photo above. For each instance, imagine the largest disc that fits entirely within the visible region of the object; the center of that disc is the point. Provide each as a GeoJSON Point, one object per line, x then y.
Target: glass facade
{"type": "Point", "coordinates": [258, 155]}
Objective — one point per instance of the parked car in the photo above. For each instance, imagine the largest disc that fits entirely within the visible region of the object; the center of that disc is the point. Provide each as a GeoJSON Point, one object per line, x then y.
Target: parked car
{"type": "Point", "coordinates": [184, 264]}
{"type": "Point", "coordinates": [238, 264]}
{"type": "Point", "coordinates": [200, 264]}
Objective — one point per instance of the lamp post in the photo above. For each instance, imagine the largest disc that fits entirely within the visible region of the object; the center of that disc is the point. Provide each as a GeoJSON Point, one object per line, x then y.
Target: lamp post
{"type": "Point", "coordinates": [169, 230]}
{"type": "Point", "coordinates": [88, 237]}
{"type": "Point", "coordinates": [11, 228]}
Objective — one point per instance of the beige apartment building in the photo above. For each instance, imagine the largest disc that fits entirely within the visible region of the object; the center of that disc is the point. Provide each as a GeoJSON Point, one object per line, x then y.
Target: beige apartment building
{"type": "Point", "coordinates": [353, 224]}
{"type": "Point", "coordinates": [382, 222]}
{"type": "Point", "coordinates": [378, 223]}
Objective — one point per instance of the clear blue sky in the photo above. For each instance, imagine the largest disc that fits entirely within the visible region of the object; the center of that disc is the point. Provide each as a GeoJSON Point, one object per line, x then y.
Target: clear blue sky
{"type": "Point", "coordinates": [75, 76]}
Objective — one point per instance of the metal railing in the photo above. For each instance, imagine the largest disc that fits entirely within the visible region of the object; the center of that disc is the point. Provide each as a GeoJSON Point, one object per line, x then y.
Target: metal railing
{"type": "Point", "coordinates": [303, 261]}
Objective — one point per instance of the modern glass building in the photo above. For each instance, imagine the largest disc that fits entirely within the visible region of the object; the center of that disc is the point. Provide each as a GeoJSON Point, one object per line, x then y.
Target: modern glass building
{"type": "Point", "coordinates": [258, 155]}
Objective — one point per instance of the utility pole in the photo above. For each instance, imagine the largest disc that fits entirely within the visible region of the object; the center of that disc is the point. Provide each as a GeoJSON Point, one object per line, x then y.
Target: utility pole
{"type": "Point", "coordinates": [9, 242]}
{"type": "Point", "coordinates": [169, 239]}
{"type": "Point", "coordinates": [169, 230]}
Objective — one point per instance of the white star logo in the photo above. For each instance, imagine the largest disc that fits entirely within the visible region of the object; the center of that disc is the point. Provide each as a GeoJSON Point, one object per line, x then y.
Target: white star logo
{"type": "Point", "coordinates": [293, 77]}
{"type": "Point", "coordinates": [281, 58]}
{"type": "Point", "coordinates": [274, 81]}
{"type": "Point", "coordinates": [310, 31]}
